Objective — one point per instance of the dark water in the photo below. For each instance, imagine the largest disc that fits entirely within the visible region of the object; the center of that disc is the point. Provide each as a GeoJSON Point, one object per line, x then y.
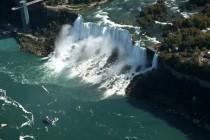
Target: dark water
{"type": "Point", "coordinates": [79, 108]}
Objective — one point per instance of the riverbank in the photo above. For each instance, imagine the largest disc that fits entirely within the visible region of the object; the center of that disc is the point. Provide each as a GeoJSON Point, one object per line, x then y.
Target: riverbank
{"type": "Point", "coordinates": [181, 97]}
{"type": "Point", "coordinates": [40, 36]}
{"type": "Point", "coordinates": [181, 86]}
{"type": "Point", "coordinates": [40, 40]}
{"type": "Point", "coordinates": [184, 41]}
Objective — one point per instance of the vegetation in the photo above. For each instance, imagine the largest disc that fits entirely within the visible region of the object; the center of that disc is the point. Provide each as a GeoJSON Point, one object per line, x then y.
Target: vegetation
{"type": "Point", "coordinates": [201, 21]}
{"type": "Point", "coordinates": [45, 32]}
{"type": "Point", "coordinates": [199, 2]}
{"type": "Point", "coordinates": [187, 39]}
{"type": "Point", "coordinates": [45, 39]}
{"type": "Point", "coordinates": [185, 44]}
{"type": "Point", "coordinates": [188, 63]}
{"type": "Point", "coordinates": [148, 15]}
{"type": "Point", "coordinates": [184, 52]}
{"type": "Point", "coordinates": [39, 37]}
{"type": "Point", "coordinates": [186, 47]}
{"type": "Point", "coordinates": [56, 2]}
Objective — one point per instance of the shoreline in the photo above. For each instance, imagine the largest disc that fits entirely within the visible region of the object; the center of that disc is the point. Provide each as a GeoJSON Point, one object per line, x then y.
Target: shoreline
{"type": "Point", "coordinates": [41, 43]}
{"type": "Point", "coordinates": [180, 97]}
{"type": "Point", "coordinates": [185, 42]}
{"type": "Point", "coordinates": [39, 39]}
{"type": "Point", "coordinates": [180, 85]}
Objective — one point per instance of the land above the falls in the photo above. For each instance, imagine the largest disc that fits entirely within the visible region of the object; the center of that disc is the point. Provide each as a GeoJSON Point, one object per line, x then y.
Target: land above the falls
{"type": "Point", "coordinates": [185, 42]}
{"type": "Point", "coordinates": [46, 19]}
{"type": "Point", "coordinates": [181, 86]}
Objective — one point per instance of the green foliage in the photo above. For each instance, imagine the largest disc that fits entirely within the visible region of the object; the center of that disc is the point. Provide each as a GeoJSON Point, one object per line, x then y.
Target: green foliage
{"type": "Point", "coordinates": [155, 10]}
{"type": "Point", "coordinates": [197, 21]}
{"type": "Point", "coordinates": [149, 14]}
{"type": "Point", "coordinates": [189, 66]}
{"type": "Point", "coordinates": [187, 39]}
{"type": "Point", "coordinates": [184, 44]}
{"type": "Point", "coordinates": [186, 34]}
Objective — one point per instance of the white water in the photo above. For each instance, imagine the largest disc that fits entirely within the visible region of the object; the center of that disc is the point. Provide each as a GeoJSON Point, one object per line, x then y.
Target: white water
{"type": "Point", "coordinates": [98, 54]}
{"type": "Point", "coordinates": [105, 19]}
{"type": "Point", "coordinates": [9, 101]}
{"type": "Point", "coordinates": [26, 136]}
{"type": "Point", "coordinates": [155, 62]}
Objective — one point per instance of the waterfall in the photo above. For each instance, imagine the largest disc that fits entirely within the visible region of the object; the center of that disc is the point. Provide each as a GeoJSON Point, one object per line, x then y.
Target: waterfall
{"type": "Point", "coordinates": [155, 61]}
{"type": "Point", "coordinates": [98, 54]}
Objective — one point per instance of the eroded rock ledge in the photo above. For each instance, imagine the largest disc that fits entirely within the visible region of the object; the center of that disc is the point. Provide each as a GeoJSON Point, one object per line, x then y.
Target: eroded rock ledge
{"type": "Point", "coordinates": [176, 95]}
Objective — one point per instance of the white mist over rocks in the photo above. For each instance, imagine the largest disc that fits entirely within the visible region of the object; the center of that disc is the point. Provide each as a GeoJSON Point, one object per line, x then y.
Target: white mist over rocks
{"type": "Point", "coordinates": [99, 55]}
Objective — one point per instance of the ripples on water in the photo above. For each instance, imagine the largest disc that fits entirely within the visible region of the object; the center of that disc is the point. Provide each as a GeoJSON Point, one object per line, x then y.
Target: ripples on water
{"type": "Point", "coordinates": [35, 90]}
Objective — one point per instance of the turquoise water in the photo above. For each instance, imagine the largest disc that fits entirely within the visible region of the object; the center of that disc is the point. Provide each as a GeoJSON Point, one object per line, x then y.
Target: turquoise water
{"type": "Point", "coordinates": [81, 113]}
{"type": "Point", "coordinates": [79, 110]}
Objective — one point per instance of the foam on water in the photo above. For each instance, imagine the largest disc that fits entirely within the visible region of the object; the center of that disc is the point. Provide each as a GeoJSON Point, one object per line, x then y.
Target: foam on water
{"type": "Point", "coordinates": [26, 136]}
{"type": "Point", "coordinates": [104, 18]}
{"type": "Point", "coordinates": [10, 102]}
{"type": "Point", "coordinates": [98, 54]}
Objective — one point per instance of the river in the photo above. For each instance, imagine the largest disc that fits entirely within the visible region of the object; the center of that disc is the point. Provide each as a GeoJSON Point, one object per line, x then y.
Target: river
{"type": "Point", "coordinates": [31, 90]}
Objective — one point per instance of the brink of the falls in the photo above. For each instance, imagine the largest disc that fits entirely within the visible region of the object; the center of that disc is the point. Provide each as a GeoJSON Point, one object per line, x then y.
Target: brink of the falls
{"type": "Point", "coordinates": [99, 54]}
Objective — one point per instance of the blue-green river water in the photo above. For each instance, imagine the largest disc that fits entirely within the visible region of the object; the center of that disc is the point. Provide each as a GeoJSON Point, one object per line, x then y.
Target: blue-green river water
{"type": "Point", "coordinates": [29, 93]}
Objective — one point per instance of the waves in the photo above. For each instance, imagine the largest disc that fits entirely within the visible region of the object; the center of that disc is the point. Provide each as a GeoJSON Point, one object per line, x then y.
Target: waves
{"type": "Point", "coordinates": [27, 115]}
{"type": "Point", "coordinates": [7, 101]}
{"type": "Point", "coordinates": [99, 55]}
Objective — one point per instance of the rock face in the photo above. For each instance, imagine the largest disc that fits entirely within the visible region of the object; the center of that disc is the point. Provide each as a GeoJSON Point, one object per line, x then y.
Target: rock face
{"type": "Point", "coordinates": [39, 39]}
{"type": "Point", "coordinates": [177, 96]}
{"type": "Point", "coordinates": [39, 47]}
{"type": "Point", "coordinates": [99, 54]}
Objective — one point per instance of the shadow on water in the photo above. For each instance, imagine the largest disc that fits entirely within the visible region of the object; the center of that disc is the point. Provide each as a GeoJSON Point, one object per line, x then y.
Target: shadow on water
{"type": "Point", "coordinates": [164, 96]}
{"type": "Point", "coordinates": [185, 126]}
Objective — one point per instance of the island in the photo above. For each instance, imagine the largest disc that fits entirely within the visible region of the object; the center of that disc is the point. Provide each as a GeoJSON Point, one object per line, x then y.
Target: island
{"type": "Point", "coordinates": [181, 85]}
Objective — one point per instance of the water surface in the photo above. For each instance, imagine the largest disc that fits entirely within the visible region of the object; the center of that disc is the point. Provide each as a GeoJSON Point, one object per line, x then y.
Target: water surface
{"type": "Point", "coordinates": [29, 93]}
